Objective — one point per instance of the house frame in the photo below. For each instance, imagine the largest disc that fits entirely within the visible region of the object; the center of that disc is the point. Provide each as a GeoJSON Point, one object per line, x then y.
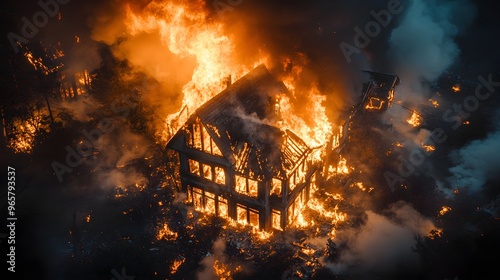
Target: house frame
{"type": "Point", "coordinates": [235, 163]}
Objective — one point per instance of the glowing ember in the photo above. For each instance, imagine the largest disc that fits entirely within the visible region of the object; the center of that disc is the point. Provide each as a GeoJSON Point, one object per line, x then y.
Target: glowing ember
{"type": "Point", "coordinates": [360, 186]}
{"type": "Point", "coordinates": [455, 88]}
{"type": "Point", "coordinates": [444, 210]}
{"type": "Point", "coordinates": [415, 119]}
{"type": "Point", "coordinates": [428, 148]}
{"type": "Point", "coordinates": [260, 234]}
{"type": "Point", "coordinates": [223, 272]}
{"type": "Point", "coordinates": [436, 233]}
{"type": "Point", "coordinates": [164, 232]}
{"type": "Point", "coordinates": [23, 138]}
{"type": "Point", "coordinates": [434, 103]}
{"type": "Point", "coordinates": [176, 264]}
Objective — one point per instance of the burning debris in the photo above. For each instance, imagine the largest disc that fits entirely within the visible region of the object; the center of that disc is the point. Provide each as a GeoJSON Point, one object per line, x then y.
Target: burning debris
{"type": "Point", "coordinates": [378, 93]}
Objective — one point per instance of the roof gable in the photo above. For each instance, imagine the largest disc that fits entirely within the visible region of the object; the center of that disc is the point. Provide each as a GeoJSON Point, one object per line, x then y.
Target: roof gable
{"type": "Point", "coordinates": [241, 120]}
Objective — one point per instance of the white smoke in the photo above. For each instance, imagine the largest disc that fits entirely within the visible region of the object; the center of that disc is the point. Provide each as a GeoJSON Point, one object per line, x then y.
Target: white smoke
{"type": "Point", "coordinates": [476, 163]}
{"type": "Point", "coordinates": [424, 46]}
{"type": "Point", "coordinates": [384, 243]}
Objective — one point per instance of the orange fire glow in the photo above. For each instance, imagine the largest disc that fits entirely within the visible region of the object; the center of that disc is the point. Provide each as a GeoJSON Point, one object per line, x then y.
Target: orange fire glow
{"type": "Point", "coordinates": [415, 119]}
{"type": "Point", "coordinates": [434, 102]}
{"type": "Point", "coordinates": [444, 210]}
{"type": "Point", "coordinates": [164, 232]}
{"type": "Point", "coordinates": [176, 264]}
{"type": "Point", "coordinates": [187, 31]}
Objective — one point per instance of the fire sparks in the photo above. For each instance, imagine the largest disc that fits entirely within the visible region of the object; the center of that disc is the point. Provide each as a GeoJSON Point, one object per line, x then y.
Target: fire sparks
{"type": "Point", "coordinates": [415, 119]}
{"type": "Point", "coordinates": [455, 88]}
{"type": "Point", "coordinates": [434, 102]}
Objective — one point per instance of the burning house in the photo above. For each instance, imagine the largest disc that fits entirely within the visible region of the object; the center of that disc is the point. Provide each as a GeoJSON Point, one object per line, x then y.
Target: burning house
{"type": "Point", "coordinates": [236, 163]}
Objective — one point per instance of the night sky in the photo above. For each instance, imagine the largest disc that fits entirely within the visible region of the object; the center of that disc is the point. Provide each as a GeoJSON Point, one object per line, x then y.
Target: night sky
{"type": "Point", "coordinates": [422, 201]}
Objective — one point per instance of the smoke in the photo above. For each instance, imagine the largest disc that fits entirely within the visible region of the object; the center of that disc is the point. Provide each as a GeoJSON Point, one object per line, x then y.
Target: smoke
{"type": "Point", "coordinates": [383, 243]}
{"type": "Point", "coordinates": [476, 163]}
{"type": "Point", "coordinates": [81, 108]}
{"type": "Point", "coordinates": [424, 44]}
{"type": "Point", "coordinates": [118, 152]}
{"type": "Point", "coordinates": [207, 273]}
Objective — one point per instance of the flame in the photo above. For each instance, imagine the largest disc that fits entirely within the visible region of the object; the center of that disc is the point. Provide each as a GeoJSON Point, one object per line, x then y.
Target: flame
{"type": "Point", "coordinates": [455, 88]}
{"type": "Point", "coordinates": [435, 233]}
{"type": "Point", "coordinates": [428, 148]}
{"type": "Point", "coordinates": [361, 186]}
{"type": "Point", "coordinates": [342, 167]}
{"type": "Point", "coordinates": [164, 232]}
{"type": "Point", "coordinates": [315, 132]}
{"type": "Point", "coordinates": [176, 264]}
{"type": "Point", "coordinates": [415, 119]}
{"type": "Point", "coordinates": [335, 216]}
{"type": "Point", "coordinates": [39, 64]}
{"type": "Point", "coordinates": [24, 137]}
{"type": "Point", "coordinates": [188, 31]}
{"type": "Point", "coordinates": [444, 210]}
{"type": "Point", "coordinates": [434, 102]}
{"type": "Point", "coordinates": [223, 272]}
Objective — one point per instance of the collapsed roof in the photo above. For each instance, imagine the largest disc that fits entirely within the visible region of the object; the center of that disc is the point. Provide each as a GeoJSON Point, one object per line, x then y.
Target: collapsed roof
{"type": "Point", "coordinates": [241, 120]}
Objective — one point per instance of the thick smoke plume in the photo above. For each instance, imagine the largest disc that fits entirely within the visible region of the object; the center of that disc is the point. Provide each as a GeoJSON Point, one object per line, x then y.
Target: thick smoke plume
{"type": "Point", "coordinates": [476, 163]}
{"type": "Point", "coordinates": [383, 243]}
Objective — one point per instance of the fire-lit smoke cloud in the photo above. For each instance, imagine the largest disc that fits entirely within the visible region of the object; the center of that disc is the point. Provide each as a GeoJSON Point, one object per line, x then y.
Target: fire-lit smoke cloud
{"type": "Point", "coordinates": [383, 243]}
{"type": "Point", "coordinates": [173, 42]}
{"type": "Point", "coordinates": [190, 49]}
